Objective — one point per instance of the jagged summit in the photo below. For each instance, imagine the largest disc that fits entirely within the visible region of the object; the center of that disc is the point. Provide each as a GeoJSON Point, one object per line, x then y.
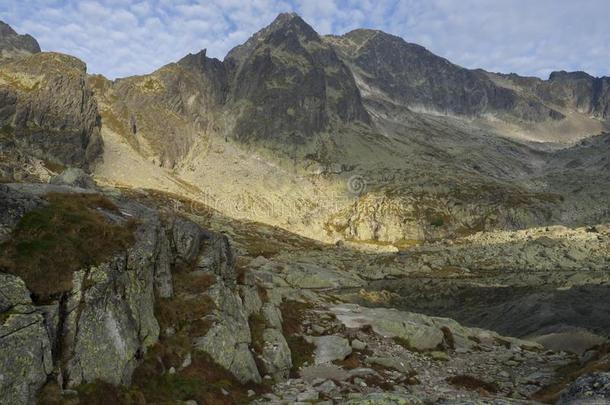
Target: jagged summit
{"type": "Point", "coordinates": [13, 44]}
{"type": "Point", "coordinates": [287, 27]}
{"type": "Point", "coordinates": [287, 82]}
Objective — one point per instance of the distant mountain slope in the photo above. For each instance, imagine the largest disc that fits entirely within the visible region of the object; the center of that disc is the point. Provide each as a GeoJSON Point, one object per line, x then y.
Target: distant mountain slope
{"type": "Point", "coordinates": [410, 75]}
{"type": "Point", "coordinates": [13, 44]}
{"type": "Point", "coordinates": [362, 137]}
{"type": "Point", "coordinates": [576, 91]}
{"type": "Point", "coordinates": [393, 73]}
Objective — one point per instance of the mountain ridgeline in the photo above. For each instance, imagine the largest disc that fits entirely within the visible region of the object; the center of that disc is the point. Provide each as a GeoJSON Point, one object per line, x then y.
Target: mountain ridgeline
{"type": "Point", "coordinates": [298, 114]}
{"type": "Point", "coordinates": [287, 83]}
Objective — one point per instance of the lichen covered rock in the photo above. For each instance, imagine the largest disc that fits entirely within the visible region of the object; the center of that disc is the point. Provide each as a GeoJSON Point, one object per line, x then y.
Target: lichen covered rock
{"type": "Point", "coordinates": [25, 349]}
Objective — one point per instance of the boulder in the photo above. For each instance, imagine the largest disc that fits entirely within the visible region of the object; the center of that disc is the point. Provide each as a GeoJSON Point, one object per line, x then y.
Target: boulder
{"type": "Point", "coordinates": [394, 363]}
{"type": "Point", "coordinates": [74, 177]}
{"type": "Point", "coordinates": [276, 355]}
{"type": "Point", "coordinates": [330, 348]}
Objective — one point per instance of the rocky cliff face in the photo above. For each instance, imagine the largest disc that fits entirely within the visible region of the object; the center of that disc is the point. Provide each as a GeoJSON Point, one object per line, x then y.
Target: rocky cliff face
{"type": "Point", "coordinates": [288, 84]}
{"type": "Point", "coordinates": [163, 114]}
{"type": "Point", "coordinates": [47, 112]}
{"type": "Point", "coordinates": [280, 88]}
{"type": "Point", "coordinates": [578, 91]}
{"type": "Point", "coordinates": [408, 74]}
{"type": "Point", "coordinates": [15, 45]}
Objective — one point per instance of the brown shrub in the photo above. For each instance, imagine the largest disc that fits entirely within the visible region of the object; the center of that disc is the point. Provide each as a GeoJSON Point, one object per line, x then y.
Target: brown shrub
{"type": "Point", "coordinates": [181, 312]}
{"type": "Point", "coordinates": [472, 383]}
{"type": "Point", "coordinates": [193, 283]}
{"type": "Point", "coordinates": [350, 362]}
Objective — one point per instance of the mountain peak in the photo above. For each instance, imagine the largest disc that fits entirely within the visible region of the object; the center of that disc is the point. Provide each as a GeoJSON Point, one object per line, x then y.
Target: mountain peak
{"type": "Point", "coordinates": [286, 17]}
{"type": "Point", "coordinates": [12, 44]}
{"type": "Point", "coordinates": [287, 26]}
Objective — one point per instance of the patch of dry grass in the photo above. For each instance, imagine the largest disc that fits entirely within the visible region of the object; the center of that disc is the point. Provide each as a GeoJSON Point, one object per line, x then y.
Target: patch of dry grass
{"type": "Point", "coordinates": [293, 314]}
{"type": "Point", "coordinates": [70, 233]}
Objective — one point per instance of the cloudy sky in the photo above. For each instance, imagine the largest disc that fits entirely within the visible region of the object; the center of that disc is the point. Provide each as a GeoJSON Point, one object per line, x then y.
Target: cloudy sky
{"type": "Point", "coordinates": [124, 37]}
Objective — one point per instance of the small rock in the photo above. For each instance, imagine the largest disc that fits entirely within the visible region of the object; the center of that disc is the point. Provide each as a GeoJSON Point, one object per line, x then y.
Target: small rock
{"type": "Point", "coordinates": [360, 382]}
{"type": "Point", "coordinates": [251, 393]}
{"type": "Point", "coordinates": [358, 344]}
{"type": "Point", "coordinates": [172, 370]}
{"type": "Point", "coordinates": [329, 348]}
{"type": "Point", "coordinates": [188, 360]}
{"type": "Point", "coordinates": [362, 372]}
{"type": "Point", "coordinates": [326, 387]}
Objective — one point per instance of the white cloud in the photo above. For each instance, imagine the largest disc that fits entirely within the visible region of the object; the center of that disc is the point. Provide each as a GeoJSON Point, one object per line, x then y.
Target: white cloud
{"type": "Point", "coordinates": [122, 37]}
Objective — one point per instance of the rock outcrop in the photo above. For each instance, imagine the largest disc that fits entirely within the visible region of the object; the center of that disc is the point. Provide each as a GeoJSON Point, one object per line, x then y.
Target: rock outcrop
{"type": "Point", "coordinates": [301, 85]}
{"type": "Point", "coordinates": [387, 67]}
{"type": "Point", "coordinates": [229, 338]}
{"type": "Point", "coordinates": [102, 328]}
{"type": "Point", "coordinates": [48, 113]}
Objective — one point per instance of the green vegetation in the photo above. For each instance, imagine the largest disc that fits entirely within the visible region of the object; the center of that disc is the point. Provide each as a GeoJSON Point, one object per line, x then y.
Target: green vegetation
{"type": "Point", "coordinates": [404, 343]}
{"type": "Point", "coordinates": [68, 234]}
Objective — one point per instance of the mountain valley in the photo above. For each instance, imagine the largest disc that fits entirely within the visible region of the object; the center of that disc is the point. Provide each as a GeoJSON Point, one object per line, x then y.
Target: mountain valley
{"type": "Point", "coordinates": [313, 219]}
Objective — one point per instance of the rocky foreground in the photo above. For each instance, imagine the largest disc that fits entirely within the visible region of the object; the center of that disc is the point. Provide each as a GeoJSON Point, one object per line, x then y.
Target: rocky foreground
{"type": "Point", "coordinates": [183, 314]}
